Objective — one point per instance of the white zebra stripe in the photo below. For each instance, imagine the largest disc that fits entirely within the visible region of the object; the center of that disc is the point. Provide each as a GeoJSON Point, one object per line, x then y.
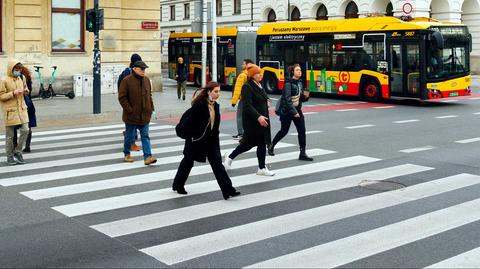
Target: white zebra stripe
{"type": "Point", "coordinates": [176, 216]}
{"type": "Point", "coordinates": [98, 169]}
{"type": "Point", "coordinates": [152, 177]}
{"type": "Point", "coordinates": [394, 235]}
{"type": "Point", "coordinates": [469, 259]}
{"type": "Point", "coordinates": [129, 200]}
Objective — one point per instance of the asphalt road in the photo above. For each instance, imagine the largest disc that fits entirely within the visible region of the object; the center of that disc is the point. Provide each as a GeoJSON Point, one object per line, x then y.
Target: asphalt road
{"type": "Point", "coordinates": [393, 184]}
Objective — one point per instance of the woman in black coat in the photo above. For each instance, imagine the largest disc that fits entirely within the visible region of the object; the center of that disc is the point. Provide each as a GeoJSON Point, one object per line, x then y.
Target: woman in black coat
{"type": "Point", "coordinates": [203, 141]}
{"type": "Point", "coordinates": [255, 121]}
{"type": "Point", "coordinates": [290, 109]}
{"type": "Point", "coordinates": [32, 118]}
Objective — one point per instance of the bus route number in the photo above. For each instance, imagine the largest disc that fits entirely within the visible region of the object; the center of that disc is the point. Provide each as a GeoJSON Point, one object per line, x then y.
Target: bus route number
{"type": "Point", "coordinates": [410, 34]}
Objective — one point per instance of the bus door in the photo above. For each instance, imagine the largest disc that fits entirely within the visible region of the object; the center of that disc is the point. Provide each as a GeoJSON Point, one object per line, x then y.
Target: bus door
{"type": "Point", "coordinates": [405, 69]}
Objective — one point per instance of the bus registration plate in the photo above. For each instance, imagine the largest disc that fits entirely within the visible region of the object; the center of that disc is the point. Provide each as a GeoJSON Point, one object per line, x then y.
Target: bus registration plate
{"type": "Point", "coordinates": [453, 94]}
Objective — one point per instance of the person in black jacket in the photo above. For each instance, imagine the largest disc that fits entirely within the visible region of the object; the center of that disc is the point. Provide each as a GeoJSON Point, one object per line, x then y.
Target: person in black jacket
{"type": "Point", "coordinates": [203, 141]}
{"type": "Point", "coordinates": [255, 121]}
{"type": "Point", "coordinates": [290, 109]}
{"type": "Point", "coordinates": [181, 78]}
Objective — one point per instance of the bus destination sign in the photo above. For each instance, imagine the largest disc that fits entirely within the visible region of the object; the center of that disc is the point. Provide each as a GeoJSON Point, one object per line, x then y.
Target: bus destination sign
{"type": "Point", "coordinates": [277, 38]}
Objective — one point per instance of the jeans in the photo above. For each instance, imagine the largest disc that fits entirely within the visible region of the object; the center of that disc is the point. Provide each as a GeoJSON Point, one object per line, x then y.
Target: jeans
{"type": "Point", "coordinates": [9, 133]}
{"type": "Point", "coordinates": [286, 121]}
{"type": "Point", "coordinates": [181, 88]}
{"type": "Point", "coordinates": [130, 131]}
{"type": "Point", "coordinates": [239, 117]}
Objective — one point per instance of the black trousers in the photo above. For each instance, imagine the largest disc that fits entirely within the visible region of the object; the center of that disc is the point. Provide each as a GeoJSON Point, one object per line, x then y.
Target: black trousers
{"type": "Point", "coordinates": [215, 159]}
{"type": "Point", "coordinates": [261, 153]}
{"type": "Point", "coordinates": [286, 121]}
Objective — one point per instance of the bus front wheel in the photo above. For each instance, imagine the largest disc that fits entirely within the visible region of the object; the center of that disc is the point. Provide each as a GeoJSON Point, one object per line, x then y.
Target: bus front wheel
{"type": "Point", "coordinates": [270, 83]}
{"type": "Point", "coordinates": [371, 91]}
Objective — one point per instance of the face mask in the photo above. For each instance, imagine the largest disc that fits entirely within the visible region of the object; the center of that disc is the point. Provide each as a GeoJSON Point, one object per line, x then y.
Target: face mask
{"type": "Point", "coordinates": [17, 73]}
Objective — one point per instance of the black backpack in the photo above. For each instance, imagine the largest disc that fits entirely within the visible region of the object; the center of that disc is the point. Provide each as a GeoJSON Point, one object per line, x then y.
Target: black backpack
{"type": "Point", "coordinates": [183, 127]}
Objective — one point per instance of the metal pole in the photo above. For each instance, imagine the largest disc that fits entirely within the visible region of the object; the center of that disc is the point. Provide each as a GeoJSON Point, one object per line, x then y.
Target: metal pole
{"type": "Point", "coordinates": [97, 102]}
{"type": "Point", "coordinates": [251, 12]}
{"type": "Point", "coordinates": [288, 11]}
{"type": "Point", "coordinates": [204, 43]}
{"type": "Point", "coordinates": [214, 41]}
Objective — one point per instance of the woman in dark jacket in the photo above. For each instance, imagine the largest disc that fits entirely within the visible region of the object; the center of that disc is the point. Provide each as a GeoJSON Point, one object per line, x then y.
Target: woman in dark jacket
{"type": "Point", "coordinates": [203, 141]}
{"type": "Point", "coordinates": [255, 121]}
{"type": "Point", "coordinates": [290, 109]}
{"type": "Point", "coordinates": [32, 118]}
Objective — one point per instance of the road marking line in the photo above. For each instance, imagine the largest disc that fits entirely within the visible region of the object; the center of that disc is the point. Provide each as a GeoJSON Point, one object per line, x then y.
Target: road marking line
{"type": "Point", "coordinates": [360, 126]}
{"type": "Point", "coordinates": [381, 107]}
{"type": "Point", "coordinates": [394, 235]}
{"type": "Point", "coordinates": [476, 113]}
{"type": "Point", "coordinates": [469, 259]}
{"type": "Point", "coordinates": [106, 204]}
{"type": "Point", "coordinates": [308, 132]}
{"type": "Point", "coordinates": [412, 150]}
{"type": "Point", "coordinates": [346, 110]}
{"type": "Point", "coordinates": [446, 117]}
{"type": "Point", "coordinates": [474, 98]}
{"type": "Point", "coordinates": [406, 121]}
{"type": "Point", "coordinates": [152, 177]}
{"type": "Point", "coordinates": [450, 101]}
{"type": "Point", "coordinates": [309, 113]}
{"type": "Point", "coordinates": [471, 140]}
{"type": "Point", "coordinates": [186, 214]}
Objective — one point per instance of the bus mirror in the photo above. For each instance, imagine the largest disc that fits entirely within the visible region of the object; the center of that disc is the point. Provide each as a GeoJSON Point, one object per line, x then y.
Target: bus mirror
{"type": "Point", "coordinates": [437, 40]}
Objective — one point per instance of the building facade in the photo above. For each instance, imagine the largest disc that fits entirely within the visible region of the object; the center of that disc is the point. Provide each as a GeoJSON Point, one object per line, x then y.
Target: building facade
{"type": "Point", "coordinates": [178, 15]}
{"type": "Point", "coordinates": [52, 32]}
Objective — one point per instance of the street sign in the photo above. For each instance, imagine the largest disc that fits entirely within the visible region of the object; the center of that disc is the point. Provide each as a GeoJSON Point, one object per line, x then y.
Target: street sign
{"type": "Point", "coordinates": [407, 8]}
{"type": "Point", "coordinates": [149, 25]}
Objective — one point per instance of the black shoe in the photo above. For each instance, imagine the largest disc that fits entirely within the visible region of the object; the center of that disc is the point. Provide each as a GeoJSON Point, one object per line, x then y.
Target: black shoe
{"type": "Point", "coordinates": [271, 147]}
{"type": "Point", "coordinates": [183, 97]}
{"type": "Point", "coordinates": [235, 193]}
{"type": "Point", "coordinates": [304, 157]}
{"type": "Point", "coordinates": [19, 158]}
{"type": "Point", "coordinates": [179, 190]}
{"type": "Point", "coordinates": [225, 195]}
{"type": "Point", "coordinates": [27, 150]}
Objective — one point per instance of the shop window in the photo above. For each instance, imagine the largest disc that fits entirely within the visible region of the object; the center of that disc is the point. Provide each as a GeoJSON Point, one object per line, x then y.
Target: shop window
{"type": "Point", "coordinates": [68, 15]}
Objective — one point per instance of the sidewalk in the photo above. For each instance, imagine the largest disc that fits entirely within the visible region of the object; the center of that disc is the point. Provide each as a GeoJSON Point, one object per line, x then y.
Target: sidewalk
{"type": "Point", "coordinates": [64, 112]}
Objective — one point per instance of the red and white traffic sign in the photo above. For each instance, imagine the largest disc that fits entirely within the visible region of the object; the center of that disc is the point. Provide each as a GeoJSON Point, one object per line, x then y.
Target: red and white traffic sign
{"type": "Point", "coordinates": [407, 8]}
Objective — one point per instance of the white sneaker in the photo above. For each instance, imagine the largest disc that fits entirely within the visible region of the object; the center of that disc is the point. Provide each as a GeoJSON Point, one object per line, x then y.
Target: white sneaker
{"type": "Point", "coordinates": [265, 172]}
{"type": "Point", "coordinates": [227, 162]}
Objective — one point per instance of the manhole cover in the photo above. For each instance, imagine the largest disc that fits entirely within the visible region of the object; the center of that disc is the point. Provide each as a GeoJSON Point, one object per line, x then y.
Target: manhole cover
{"type": "Point", "coordinates": [380, 185]}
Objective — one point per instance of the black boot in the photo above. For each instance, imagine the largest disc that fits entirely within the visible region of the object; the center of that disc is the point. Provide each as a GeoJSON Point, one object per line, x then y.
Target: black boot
{"type": "Point", "coordinates": [303, 156]}
{"type": "Point", "coordinates": [271, 148]}
{"type": "Point", "coordinates": [29, 140]}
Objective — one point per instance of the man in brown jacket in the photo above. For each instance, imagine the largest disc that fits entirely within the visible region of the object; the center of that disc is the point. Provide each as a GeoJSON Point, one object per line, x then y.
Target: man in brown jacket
{"type": "Point", "coordinates": [12, 91]}
{"type": "Point", "coordinates": [135, 96]}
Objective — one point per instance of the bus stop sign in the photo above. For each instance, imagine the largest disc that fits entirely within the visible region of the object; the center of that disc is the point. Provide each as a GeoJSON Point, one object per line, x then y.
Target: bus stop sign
{"type": "Point", "coordinates": [407, 8]}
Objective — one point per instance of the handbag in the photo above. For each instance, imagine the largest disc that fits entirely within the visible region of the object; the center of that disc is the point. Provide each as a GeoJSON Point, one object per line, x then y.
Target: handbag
{"type": "Point", "coordinates": [296, 100]}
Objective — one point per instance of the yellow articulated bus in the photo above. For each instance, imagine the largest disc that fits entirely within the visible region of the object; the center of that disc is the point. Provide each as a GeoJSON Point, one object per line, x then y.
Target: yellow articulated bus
{"type": "Point", "coordinates": [373, 58]}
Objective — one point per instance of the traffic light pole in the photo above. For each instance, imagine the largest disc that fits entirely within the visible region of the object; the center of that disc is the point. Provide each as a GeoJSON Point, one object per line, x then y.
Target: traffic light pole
{"type": "Point", "coordinates": [97, 102]}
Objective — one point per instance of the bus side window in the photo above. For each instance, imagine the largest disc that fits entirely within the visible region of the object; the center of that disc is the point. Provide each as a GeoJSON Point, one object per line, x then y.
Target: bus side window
{"type": "Point", "coordinates": [339, 62]}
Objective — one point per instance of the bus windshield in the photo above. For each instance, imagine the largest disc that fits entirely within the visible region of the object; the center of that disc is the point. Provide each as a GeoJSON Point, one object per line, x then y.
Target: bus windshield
{"type": "Point", "coordinates": [450, 61]}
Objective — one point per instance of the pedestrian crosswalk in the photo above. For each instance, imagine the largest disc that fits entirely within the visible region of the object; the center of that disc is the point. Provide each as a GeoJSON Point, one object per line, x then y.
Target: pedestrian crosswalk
{"type": "Point", "coordinates": [310, 214]}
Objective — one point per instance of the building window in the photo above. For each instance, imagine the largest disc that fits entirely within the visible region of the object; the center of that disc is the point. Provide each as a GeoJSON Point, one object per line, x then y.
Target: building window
{"type": "Point", "coordinates": [68, 15]}
{"type": "Point", "coordinates": [161, 13]}
{"type": "Point", "coordinates": [272, 17]}
{"type": "Point", "coordinates": [187, 12]}
{"type": "Point", "coordinates": [295, 14]}
{"type": "Point", "coordinates": [219, 7]}
{"type": "Point", "coordinates": [1, 27]}
{"type": "Point", "coordinates": [172, 13]}
{"type": "Point", "coordinates": [389, 11]}
{"type": "Point", "coordinates": [237, 6]}
{"type": "Point", "coordinates": [322, 13]}
{"type": "Point", "coordinates": [351, 11]}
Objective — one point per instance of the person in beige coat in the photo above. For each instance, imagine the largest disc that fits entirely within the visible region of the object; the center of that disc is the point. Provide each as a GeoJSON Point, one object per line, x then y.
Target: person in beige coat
{"type": "Point", "coordinates": [12, 91]}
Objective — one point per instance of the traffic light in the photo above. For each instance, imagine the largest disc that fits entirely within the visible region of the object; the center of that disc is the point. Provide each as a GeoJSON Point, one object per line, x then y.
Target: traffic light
{"type": "Point", "coordinates": [90, 20]}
